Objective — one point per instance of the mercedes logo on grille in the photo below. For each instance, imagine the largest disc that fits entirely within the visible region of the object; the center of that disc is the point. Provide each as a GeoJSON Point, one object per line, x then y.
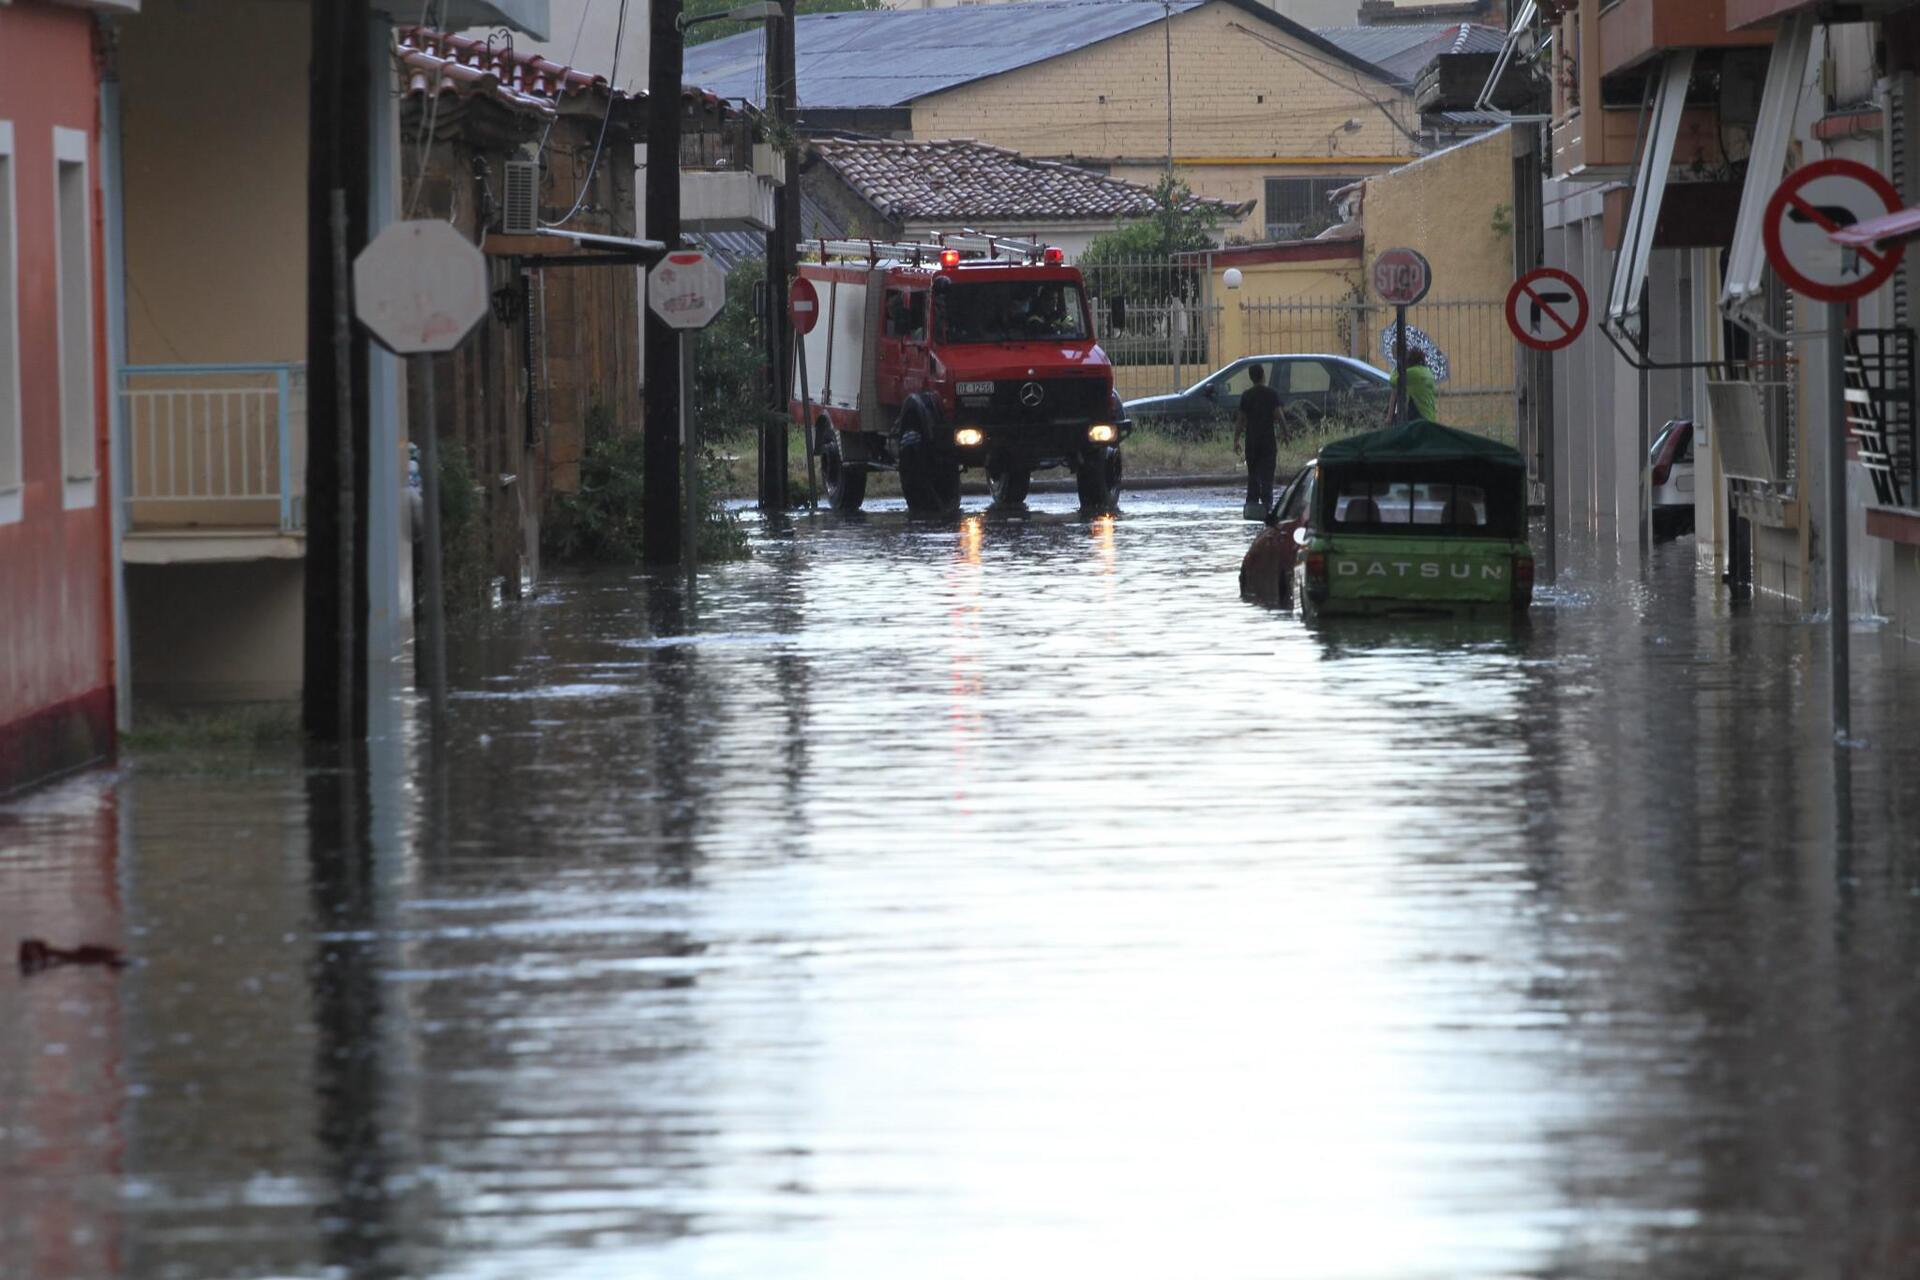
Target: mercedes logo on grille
{"type": "Point", "coordinates": [1031, 394]}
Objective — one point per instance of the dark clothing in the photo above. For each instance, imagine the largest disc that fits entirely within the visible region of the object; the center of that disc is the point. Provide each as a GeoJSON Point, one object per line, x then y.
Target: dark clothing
{"type": "Point", "coordinates": [1259, 406]}
{"type": "Point", "coordinates": [1261, 456]}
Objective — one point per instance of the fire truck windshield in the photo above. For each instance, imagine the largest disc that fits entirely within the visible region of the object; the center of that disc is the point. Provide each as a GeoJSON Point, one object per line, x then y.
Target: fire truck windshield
{"type": "Point", "coordinates": [1014, 311]}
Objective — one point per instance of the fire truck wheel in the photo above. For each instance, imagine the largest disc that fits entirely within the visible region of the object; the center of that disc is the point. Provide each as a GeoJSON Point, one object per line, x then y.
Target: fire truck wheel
{"type": "Point", "coordinates": [1009, 483]}
{"type": "Point", "coordinates": [846, 483]}
{"type": "Point", "coordinates": [931, 487]}
{"type": "Point", "coordinates": [1094, 480]}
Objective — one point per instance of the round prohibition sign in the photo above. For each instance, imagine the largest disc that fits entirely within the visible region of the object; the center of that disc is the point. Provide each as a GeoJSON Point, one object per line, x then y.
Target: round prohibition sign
{"type": "Point", "coordinates": [1815, 201]}
{"type": "Point", "coordinates": [1547, 309]}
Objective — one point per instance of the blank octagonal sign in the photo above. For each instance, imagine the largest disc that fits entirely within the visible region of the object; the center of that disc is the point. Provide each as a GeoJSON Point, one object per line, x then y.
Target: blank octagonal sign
{"type": "Point", "coordinates": [420, 286]}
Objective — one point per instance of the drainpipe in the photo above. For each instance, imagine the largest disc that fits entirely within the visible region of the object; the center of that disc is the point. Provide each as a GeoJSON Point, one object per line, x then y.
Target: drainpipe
{"type": "Point", "coordinates": [120, 454]}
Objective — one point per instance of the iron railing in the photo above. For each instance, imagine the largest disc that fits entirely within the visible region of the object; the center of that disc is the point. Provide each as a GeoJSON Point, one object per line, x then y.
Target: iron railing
{"type": "Point", "coordinates": [229, 439]}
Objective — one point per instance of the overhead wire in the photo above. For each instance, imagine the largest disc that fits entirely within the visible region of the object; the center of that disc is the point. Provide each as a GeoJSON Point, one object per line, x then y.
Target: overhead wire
{"type": "Point", "coordinates": [423, 144]}
{"type": "Point", "coordinates": [1354, 89]}
{"type": "Point", "coordinates": [613, 96]}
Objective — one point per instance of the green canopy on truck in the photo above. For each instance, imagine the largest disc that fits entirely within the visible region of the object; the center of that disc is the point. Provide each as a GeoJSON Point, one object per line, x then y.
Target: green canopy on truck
{"type": "Point", "coordinates": [1421, 441]}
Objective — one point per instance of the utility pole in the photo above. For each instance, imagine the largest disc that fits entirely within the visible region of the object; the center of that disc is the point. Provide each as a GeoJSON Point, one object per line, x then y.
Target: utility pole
{"type": "Point", "coordinates": [334, 660]}
{"type": "Point", "coordinates": [780, 256]}
{"type": "Point", "coordinates": [660, 527]}
{"type": "Point", "coordinates": [1166, 28]}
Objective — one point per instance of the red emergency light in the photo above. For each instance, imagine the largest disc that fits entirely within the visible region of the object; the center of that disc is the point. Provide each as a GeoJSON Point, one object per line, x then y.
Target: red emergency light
{"type": "Point", "coordinates": [1054, 255]}
{"type": "Point", "coordinates": [949, 258]}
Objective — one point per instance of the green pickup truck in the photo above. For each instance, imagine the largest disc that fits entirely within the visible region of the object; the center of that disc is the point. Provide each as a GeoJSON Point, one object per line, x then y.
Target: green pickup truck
{"type": "Point", "coordinates": [1415, 519]}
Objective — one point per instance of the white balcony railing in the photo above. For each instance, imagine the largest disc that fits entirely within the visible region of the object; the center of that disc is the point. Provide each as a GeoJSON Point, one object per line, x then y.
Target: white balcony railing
{"type": "Point", "coordinates": [221, 444]}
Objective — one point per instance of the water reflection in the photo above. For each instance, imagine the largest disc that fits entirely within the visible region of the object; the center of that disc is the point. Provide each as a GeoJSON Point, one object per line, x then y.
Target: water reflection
{"type": "Point", "coordinates": [1004, 894]}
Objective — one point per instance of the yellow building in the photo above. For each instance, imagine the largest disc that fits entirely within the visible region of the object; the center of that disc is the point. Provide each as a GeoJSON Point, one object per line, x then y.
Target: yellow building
{"type": "Point", "coordinates": [1244, 103]}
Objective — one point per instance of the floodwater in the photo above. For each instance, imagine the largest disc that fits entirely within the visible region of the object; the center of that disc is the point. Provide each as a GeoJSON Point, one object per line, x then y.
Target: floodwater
{"type": "Point", "coordinates": [1002, 897]}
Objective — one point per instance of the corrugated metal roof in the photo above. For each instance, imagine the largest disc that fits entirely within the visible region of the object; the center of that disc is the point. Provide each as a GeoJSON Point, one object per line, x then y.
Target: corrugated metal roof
{"type": "Point", "coordinates": [1404, 50]}
{"type": "Point", "coordinates": [889, 57]}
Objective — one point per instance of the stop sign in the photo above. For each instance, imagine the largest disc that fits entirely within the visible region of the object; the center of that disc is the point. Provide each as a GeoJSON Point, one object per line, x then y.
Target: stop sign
{"type": "Point", "coordinates": [420, 286]}
{"type": "Point", "coordinates": [803, 305]}
{"type": "Point", "coordinates": [687, 289]}
{"type": "Point", "coordinates": [1401, 277]}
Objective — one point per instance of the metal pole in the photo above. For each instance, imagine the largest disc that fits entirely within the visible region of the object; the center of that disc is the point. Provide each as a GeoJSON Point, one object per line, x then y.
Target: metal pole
{"type": "Point", "coordinates": [343, 456]}
{"type": "Point", "coordinates": [689, 457]}
{"type": "Point", "coordinates": [1644, 487]}
{"type": "Point", "coordinates": [1837, 602]}
{"type": "Point", "coordinates": [434, 589]}
{"type": "Point", "coordinates": [1400, 363]}
{"type": "Point", "coordinates": [806, 416]}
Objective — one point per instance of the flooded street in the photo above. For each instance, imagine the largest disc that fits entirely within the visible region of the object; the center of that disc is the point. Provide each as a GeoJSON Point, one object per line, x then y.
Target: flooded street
{"type": "Point", "coordinates": [1002, 897]}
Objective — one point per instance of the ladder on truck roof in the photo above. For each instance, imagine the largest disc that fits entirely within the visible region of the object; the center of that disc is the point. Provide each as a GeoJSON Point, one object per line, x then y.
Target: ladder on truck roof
{"type": "Point", "coordinates": [972, 243]}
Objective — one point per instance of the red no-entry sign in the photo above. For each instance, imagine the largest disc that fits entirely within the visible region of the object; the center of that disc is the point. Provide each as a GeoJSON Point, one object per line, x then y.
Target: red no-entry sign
{"type": "Point", "coordinates": [803, 305]}
{"type": "Point", "coordinates": [1547, 309]}
{"type": "Point", "coordinates": [1816, 200]}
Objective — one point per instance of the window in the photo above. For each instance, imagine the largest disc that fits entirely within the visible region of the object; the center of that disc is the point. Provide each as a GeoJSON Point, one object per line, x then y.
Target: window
{"type": "Point", "coordinates": [1234, 382]}
{"type": "Point", "coordinates": [10, 462]}
{"type": "Point", "coordinates": [1305, 378]}
{"type": "Point", "coordinates": [906, 315]}
{"type": "Point", "coordinates": [1300, 207]}
{"type": "Point", "coordinates": [74, 287]}
{"type": "Point", "coordinates": [1014, 311]}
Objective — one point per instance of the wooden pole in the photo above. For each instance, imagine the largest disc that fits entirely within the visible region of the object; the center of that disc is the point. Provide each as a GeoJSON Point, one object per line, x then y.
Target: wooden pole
{"type": "Point", "coordinates": [334, 660]}
{"type": "Point", "coordinates": [660, 522]}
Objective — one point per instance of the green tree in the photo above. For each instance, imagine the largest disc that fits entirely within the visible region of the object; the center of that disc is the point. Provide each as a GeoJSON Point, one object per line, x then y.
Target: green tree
{"type": "Point", "coordinates": [729, 378]}
{"type": "Point", "coordinates": [720, 30]}
{"type": "Point", "coordinates": [1137, 259]}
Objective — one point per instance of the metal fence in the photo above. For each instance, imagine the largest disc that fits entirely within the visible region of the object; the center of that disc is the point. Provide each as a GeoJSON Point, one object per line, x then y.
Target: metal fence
{"type": "Point", "coordinates": [1468, 346]}
{"type": "Point", "coordinates": [1180, 325]}
{"type": "Point", "coordinates": [217, 444]}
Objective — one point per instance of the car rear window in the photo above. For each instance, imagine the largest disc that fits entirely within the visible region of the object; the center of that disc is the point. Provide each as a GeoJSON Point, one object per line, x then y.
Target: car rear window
{"type": "Point", "coordinates": [1441, 506]}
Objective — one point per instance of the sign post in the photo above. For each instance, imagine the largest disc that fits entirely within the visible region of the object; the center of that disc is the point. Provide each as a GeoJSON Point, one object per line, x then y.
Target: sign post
{"type": "Point", "coordinates": [1815, 201]}
{"type": "Point", "coordinates": [687, 289]}
{"type": "Point", "coordinates": [803, 309]}
{"type": "Point", "coordinates": [1401, 277]}
{"type": "Point", "coordinates": [1547, 310]}
{"type": "Point", "coordinates": [420, 287]}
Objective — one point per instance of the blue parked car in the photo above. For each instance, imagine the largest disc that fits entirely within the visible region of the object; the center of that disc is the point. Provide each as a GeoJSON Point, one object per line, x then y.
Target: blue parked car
{"type": "Point", "coordinates": [1310, 387]}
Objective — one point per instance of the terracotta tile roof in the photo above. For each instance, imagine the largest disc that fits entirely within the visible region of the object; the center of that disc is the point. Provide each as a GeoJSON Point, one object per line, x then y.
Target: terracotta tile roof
{"type": "Point", "coordinates": [962, 180]}
{"type": "Point", "coordinates": [465, 67]}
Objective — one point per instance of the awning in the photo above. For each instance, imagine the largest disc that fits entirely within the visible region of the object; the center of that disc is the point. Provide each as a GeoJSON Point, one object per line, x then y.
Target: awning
{"type": "Point", "coordinates": [1743, 297]}
{"type": "Point", "coordinates": [1893, 228]}
{"type": "Point", "coordinates": [1522, 22]}
{"type": "Point", "coordinates": [1649, 188]}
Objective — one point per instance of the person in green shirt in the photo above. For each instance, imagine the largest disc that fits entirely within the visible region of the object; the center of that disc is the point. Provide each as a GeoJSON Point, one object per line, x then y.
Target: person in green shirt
{"type": "Point", "coordinates": [1416, 380]}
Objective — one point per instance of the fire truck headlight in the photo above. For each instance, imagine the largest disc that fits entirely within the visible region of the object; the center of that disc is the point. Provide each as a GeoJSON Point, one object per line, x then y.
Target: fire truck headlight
{"type": "Point", "coordinates": [1101, 433]}
{"type": "Point", "coordinates": [967, 437]}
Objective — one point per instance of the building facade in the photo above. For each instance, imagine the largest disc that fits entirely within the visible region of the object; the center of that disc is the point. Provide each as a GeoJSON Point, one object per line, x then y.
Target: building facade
{"type": "Point", "coordinates": [57, 651]}
{"type": "Point", "coordinates": [1729, 97]}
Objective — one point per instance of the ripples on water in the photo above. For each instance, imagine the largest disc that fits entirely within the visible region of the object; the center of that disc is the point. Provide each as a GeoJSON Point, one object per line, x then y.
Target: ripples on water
{"type": "Point", "coordinates": [1002, 898]}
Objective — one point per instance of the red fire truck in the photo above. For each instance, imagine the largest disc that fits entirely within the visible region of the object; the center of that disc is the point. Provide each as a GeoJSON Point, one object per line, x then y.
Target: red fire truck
{"type": "Point", "coordinates": [966, 351]}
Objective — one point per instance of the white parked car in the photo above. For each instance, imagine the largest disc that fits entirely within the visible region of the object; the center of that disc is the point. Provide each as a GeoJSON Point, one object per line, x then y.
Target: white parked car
{"type": "Point", "coordinates": [1670, 458]}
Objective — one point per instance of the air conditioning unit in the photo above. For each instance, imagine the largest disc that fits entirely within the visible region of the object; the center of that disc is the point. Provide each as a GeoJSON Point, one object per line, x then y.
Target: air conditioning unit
{"type": "Point", "coordinates": [520, 207]}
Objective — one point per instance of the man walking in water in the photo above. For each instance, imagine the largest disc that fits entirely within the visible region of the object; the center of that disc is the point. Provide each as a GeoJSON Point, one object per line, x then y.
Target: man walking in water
{"type": "Point", "coordinates": [1254, 420]}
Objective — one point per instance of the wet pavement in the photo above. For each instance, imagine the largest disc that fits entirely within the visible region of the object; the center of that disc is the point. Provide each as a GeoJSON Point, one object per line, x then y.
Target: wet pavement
{"type": "Point", "coordinates": [1002, 897]}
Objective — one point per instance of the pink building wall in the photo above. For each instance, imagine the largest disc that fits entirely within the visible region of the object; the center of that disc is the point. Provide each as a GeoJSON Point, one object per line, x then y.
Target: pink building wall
{"type": "Point", "coordinates": [56, 620]}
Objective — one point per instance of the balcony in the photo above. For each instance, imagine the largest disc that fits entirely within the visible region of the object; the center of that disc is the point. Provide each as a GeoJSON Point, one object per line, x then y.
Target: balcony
{"type": "Point", "coordinates": [1633, 32]}
{"type": "Point", "coordinates": [728, 181]}
{"type": "Point", "coordinates": [215, 462]}
{"type": "Point", "coordinates": [1748, 13]}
